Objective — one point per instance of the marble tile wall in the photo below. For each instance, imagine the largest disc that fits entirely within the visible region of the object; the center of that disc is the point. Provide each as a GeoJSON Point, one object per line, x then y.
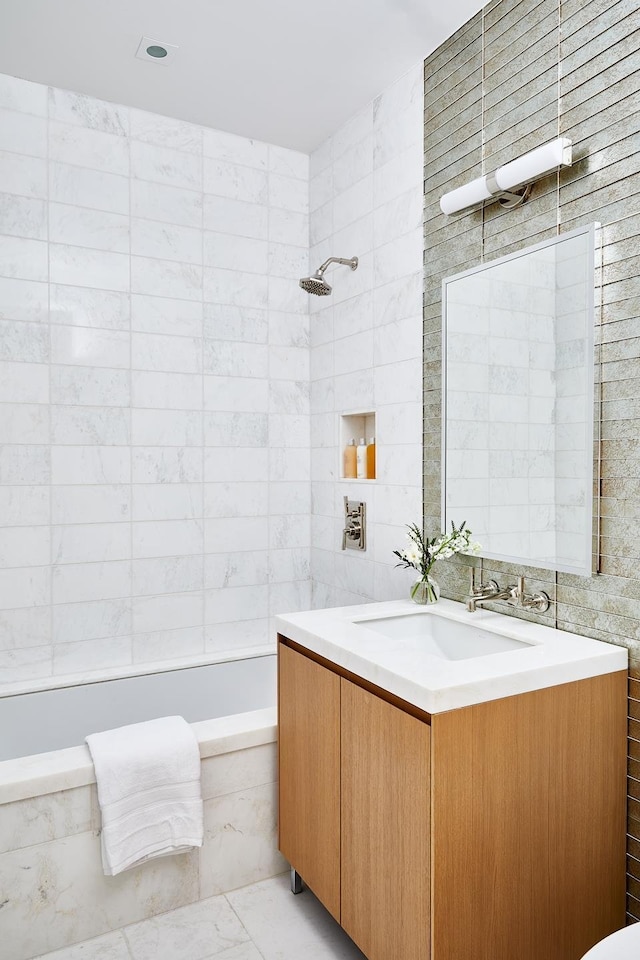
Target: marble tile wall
{"type": "Point", "coordinates": [154, 386]}
{"type": "Point", "coordinates": [50, 868]}
{"type": "Point", "coordinates": [366, 339]}
{"type": "Point", "coordinates": [518, 74]}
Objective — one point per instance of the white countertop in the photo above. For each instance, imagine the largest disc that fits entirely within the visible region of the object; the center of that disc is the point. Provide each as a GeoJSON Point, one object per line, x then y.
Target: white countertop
{"type": "Point", "coordinates": [435, 684]}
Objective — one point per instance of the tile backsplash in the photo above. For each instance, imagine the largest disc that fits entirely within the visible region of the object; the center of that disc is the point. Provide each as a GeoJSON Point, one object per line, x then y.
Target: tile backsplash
{"type": "Point", "coordinates": [154, 386]}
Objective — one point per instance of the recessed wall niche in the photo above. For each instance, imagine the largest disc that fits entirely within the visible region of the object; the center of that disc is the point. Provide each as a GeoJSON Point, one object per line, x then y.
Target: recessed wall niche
{"type": "Point", "coordinates": [357, 426]}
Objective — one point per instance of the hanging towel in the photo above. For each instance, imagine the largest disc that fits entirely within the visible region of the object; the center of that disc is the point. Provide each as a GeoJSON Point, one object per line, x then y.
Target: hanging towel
{"type": "Point", "coordinates": [148, 777]}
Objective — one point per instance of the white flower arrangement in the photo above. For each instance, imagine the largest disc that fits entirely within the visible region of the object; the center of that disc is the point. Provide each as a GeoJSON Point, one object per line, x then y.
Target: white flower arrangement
{"type": "Point", "coordinates": [422, 553]}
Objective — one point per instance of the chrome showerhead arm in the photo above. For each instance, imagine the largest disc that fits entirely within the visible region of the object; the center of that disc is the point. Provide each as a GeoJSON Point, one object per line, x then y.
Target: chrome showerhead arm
{"type": "Point", "coordinates": [351, 262]}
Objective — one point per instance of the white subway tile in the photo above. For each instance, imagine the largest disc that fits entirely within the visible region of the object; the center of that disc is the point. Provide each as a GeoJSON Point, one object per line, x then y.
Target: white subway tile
{"type": "Point", "coordinates": [86, 111]}
{"type": "Point", "coordinates": [166, 428]}
{"type": "Point", "coordinates": [89, 348]}
{"type": "Point", "coordinates": [235, 253]}
{"type": "Point", "coordinates": [399, 299]}
{"type": "Point", "coordinates": [353, 204]}
{"type": "Point", "coordinates": [75, 622]}
{"type": "Point", "coordinates": [236, 394]}
{"type": "Point", "coordinates": [84, 307]}
{"type": "Point", "coordinates": [25, 546]}
{"type": "Point", "coordinates": [79, 504]}
{"type": "Point", "coordinates": [88, 655]}
{"type": "Point", "coordinates": [167, 465]}
{"type": "Point", "coordinates": [228, 359]}
{"type": "Point", "coordinates": [23, 342]}
{"type": "Point", "coordinates": [404, 131]}
{"type": "Point", "coordinates": [236, 569]}
{"type": "Point", "coordinates": [163, 165]}
{"type": "Point", "coordinates": [23, 217]}
{"type": "Point", "coordinates": [93, 149]}
{"type": "Point", "coordinates": [163, 315]}
{"type": "Point", "coordinates": [353, 131]}
{"type": "Point", "coordinates": [163, 241]}
{"type": "Point", "coordinates": [288, 193]}
{"type": "Point", "coordinates": [289, 498]}
{"type": "Point", "coordinates": [87, 543]}
{"type": "Point", "coordinates": [161, 575]}
{"type": "Point", "coordinates": [23, 300]}
{"type": "Point", "coordinates": [24, 463]}
{"type": "Point", "coordinates": [172, 354]}
{"type": "Point", "coordinates": [287, 226]}
{"type": "Point", "coordinates": [399, 258]}
{"type": "Point", "coordinates": [236, 429]}
{"type": "Point", "coordinates": [288, 163]}
{"type": "Point", "coordinates": [228, 146]}
{"type": "Point", "coordinates": [24, 423]}
{"type": "Point", "coordinates": [244, 499]}
{"type": "Point", "coordinates": [167, 538]}
{"type": "Point", "coordinates": [237, 217]}
{"type": "Point", "coordinates": [28, 663]}
{"type": "Point", "coordinates": [168, 644]}
{"type": "Point", "coordinates": [166, 279]}
{"type": "Point", "coordinates": [168, 204]}
{"type": "Point", "coordinates": [224, 179]}
{"type": "Point", "coordinates": [24, 505]}
{"type": "Point", "coordinates": [90, 385]}
{"type": "Point", "coordinates": [95, 229]}
{"type": "Point", "coordinates": [25, 587]}
{"type": "Point", "coordinates": [224, 322]}
{"type": "Point", "coordinates": [88, 268]}
{"type": "Point", "coordinates": [235, 287]}
{"type": "Point", "coordinates": [86, 465]}
{"type": "Point", "coordinates": [227, 535]}
{"type": "Point", "coordinates": [225, 637]}
{"type": "Point", "coordinates": [236, 603]}
{"type": "Point", "coordinates": [288, 430]}
{"type": "Point", "coordinates": [23, 95]}
{"type": "Point", "coordinates": [79, 582]}
{"type": "Point", "coordinates": [289, 532]}
{"type": "Point", "coordinates": [23, 259]}
{"type": "Point", "coordinates": [396, 341]}
{"type": "Point", "coordinates": [397, 176]}
{"type": "Point", "coordinates": [88, 188]}
{"type": "Point", "coordinates": [289, 329]}
{"type": "Point", "coordinates": [167, 501]}
{"type": "Point", "coordinates": [239, 463]}
{"type": "Point", "coordinates": [24, 382]}
{"type": "Point", "coordinates": [171, 612]}
{"type": "Point", "coordinates": [289, 464]}
{"type": "Point", "coordinates": [106, 426]}
{"type": "Point", "coordinates": [22, 629]}
{"type": "Point", "coordinates": [25, 176]}
{"type": "Point", "coordinates": [172, 391]}
{"type": "Point", "coordinates": [165, 131]}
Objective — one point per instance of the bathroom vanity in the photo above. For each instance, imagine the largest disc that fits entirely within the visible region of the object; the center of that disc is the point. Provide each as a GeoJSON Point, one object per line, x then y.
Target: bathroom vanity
{"type": "Point", "coordinates": [452, 786]}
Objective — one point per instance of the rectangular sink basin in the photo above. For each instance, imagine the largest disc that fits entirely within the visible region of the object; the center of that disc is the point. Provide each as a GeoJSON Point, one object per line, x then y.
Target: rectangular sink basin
{"type": "Point", "coordinates": [442, 637]}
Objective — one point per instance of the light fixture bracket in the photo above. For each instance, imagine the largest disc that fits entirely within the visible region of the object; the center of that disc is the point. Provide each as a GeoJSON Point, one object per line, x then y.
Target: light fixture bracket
{"type": "Point", "coordinates": [514, 198]}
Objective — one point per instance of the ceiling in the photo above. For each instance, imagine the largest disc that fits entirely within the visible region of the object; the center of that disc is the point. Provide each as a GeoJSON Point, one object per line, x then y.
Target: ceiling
{"type": "Point", "coordinates": [288, 72]}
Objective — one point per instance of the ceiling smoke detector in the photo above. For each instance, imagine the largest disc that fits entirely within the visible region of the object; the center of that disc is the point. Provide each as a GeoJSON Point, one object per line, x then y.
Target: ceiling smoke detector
{"type": "Point", "coordinates": [155, 50]}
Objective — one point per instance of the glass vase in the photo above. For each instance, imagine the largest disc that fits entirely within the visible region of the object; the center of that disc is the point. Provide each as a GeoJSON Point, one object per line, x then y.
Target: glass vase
{"type": "Point", "coordinates": [425, 590]}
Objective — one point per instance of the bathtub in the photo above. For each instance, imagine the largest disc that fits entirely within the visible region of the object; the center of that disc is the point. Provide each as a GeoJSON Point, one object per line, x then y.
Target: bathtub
{"type": "Point", "coordinates": [52, 889]}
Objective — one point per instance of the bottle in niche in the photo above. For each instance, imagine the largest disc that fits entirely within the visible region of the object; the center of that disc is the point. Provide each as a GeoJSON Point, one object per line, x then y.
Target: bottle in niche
{"type": "Point", "coordinates": [361, 459]}
{"type": "Point", "coordinates": [350, 460]}
{"type": "Point", "coordinates": [371, 459]}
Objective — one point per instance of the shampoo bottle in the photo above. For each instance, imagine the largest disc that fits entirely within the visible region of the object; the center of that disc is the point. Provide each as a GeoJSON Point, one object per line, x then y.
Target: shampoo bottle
{"type": "Point", "coordinates": [361, 459]}
{"type": "Point", "coordinates": [371, 459]}
{"type": "Point", "coordinates": [350, 460]}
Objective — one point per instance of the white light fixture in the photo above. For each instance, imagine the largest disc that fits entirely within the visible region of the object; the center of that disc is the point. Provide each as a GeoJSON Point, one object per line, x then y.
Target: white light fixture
{"type": "Point", "coordinates": [513, 176]}
{"type": "Point", "coordinates": [155, 50]}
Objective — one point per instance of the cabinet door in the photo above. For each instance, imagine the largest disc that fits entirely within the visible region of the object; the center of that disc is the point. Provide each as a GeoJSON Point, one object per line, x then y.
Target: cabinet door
{"type": "Point", "coordinates": [309, 775]}
{"type": "Point", "coordinates": [385, 827]}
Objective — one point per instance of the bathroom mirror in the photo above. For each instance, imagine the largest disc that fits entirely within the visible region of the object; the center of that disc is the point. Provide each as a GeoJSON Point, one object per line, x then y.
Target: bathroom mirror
{"type": "Point", "coordinates": [518, 425]}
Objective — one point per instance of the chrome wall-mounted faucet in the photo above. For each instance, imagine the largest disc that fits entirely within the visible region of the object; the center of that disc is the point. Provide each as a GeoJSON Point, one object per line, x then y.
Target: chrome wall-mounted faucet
{"type": "Point", "coordinates": [514, 594]}
{"type": "Point", "coordinates": [353, 533]}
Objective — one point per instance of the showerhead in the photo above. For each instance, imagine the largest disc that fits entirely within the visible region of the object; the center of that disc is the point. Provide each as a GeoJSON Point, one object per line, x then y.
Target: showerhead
{"type": "Point", "coordinates": [317, 284]}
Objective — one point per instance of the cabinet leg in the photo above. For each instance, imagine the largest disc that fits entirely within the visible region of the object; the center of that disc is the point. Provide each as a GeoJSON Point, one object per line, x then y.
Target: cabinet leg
{"type": "Point", "coordinates": [296, 882]}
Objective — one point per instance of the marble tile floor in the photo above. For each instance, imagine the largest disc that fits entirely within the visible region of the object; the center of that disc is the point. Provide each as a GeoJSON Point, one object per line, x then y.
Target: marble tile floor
{"type": "Point", "coordinates": [263, 921]}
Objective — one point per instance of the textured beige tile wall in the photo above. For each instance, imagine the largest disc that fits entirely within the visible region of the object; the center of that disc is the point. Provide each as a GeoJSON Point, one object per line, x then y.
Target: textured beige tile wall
{"type": "Point", "coordinates": [518, 74]}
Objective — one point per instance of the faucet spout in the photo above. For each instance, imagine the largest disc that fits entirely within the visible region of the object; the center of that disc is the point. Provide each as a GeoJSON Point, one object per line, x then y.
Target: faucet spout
{"type": "Point", "coordinates": [487, 592]}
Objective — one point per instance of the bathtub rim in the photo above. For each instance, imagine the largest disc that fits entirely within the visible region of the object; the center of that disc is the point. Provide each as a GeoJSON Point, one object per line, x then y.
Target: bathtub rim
{"type": "Point", "coordinates": [18, 688]}
{"type": "Point", "coordinates": [43, 773]}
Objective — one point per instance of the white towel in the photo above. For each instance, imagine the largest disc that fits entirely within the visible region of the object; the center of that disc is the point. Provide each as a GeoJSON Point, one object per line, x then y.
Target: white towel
{"type": "Point", "coordinates": [148, 777]}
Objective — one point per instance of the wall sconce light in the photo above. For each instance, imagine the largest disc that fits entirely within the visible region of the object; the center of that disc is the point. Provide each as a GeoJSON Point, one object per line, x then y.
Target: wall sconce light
{"type": "Point", "coordinates": [511, 183]}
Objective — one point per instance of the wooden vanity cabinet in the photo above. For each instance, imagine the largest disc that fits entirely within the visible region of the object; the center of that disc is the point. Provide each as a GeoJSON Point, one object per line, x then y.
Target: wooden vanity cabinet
{"type": "Point", "coordinates": [491, 832]}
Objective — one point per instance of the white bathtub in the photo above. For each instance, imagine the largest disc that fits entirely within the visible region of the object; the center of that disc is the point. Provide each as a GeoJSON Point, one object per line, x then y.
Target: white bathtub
{"type": "Point", "coordinates": [52, 889]}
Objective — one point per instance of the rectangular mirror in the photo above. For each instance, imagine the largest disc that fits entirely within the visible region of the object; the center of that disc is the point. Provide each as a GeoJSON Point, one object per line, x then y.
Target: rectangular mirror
{"type": "Point", "coordinates": [518, 373]}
